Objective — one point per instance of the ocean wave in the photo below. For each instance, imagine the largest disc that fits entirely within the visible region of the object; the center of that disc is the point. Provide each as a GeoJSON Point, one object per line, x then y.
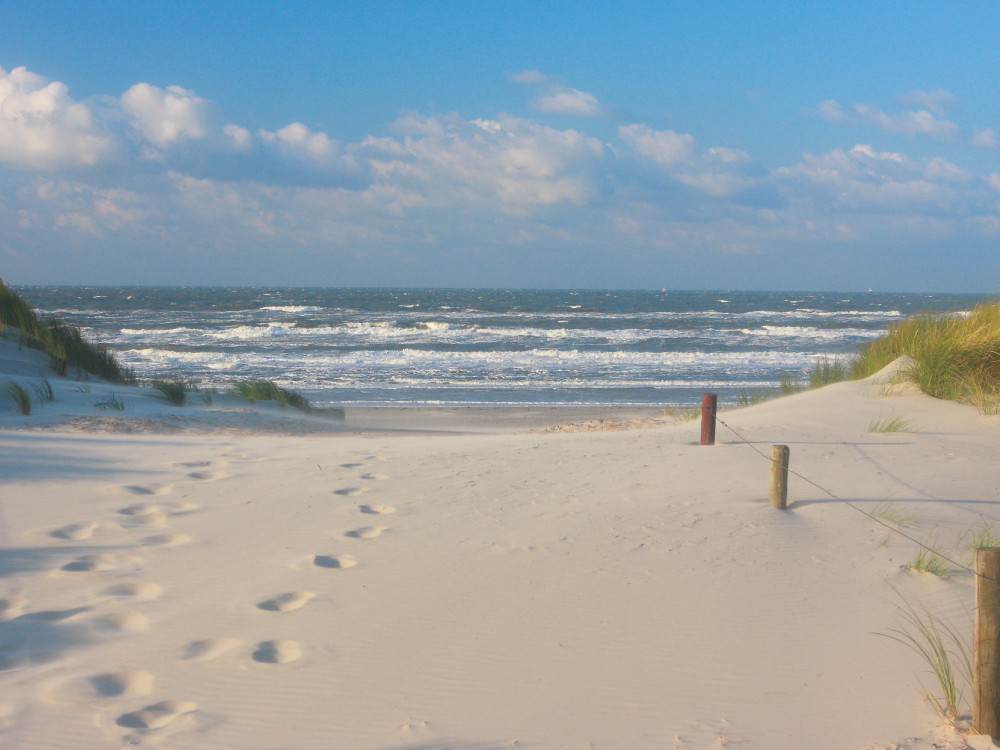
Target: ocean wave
{"type": "Point", "coordinates": [292, 308]}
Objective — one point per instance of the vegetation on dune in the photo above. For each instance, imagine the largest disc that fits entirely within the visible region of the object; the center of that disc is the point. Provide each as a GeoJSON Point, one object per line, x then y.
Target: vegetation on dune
{"type": "Point", "coordinates": [63, 343]}
{"type": "Point", "coordinates": [20, 396]}
{"type": "Point", "coordinates": [173, 390]}
{"type": "Point", "coordinates": [265, 390]}
{"type": "Point", "coordinates": [955, 356]}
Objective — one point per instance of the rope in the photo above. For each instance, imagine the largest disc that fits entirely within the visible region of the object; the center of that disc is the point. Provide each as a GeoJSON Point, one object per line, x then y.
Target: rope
{"type": "Point", "coordinates": [848, 503]}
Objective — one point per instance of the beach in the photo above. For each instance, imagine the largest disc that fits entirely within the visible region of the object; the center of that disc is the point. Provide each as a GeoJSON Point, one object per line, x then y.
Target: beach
{"type": "Point", "coordinates": [234, 575]}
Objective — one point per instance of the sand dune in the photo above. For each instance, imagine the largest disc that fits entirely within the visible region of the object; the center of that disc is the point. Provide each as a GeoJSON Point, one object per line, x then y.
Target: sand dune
{"type": "Point", "coordinates": [183, 586]}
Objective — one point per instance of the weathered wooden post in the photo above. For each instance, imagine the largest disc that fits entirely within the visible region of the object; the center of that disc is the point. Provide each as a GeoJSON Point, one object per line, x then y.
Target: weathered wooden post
{"type": "Point", "coordinates": [779, 476]}
{"type": "Point", "coordinates": [709, 403]}
{"type": "Point", "coordinates": [986, 644]}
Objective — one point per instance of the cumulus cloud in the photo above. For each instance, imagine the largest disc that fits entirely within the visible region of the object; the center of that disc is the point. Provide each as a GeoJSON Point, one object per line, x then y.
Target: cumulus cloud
{"type": "Point", "coordinates": [515, 164]}
{"type": "Point", "coordinates": [917, 122]}
{"type": "Point", "coordinates": [937, 101]}
{"type": "Point", "coordinates": [717, 171]}
{"type": "Point", "coordinates": [985, 138]}
{"type": "Point", "coordinates": [863, 180]}
{"type": "Point", "coordinates": [166, 116]}
{"type": "Point", "coordinates": [662, 146]}
{"type": "Point", "coordinates": [926, 121]}
{"type": "Point", "coordinates": [42, 128]}
{"type": "Point", "coordinates": [554, 97]}
{"type": "Point", "coordinates": [299, 140]}
{"type": "Point", "coordinates": [831, 110]}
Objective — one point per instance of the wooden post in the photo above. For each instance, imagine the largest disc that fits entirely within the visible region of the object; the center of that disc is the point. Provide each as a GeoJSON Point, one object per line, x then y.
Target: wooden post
{"type": "Point", "coordinates": [779, 476]}
{"type": "Point", "coordinates": [986, 644]}
{"type": "Point", "coordinates": [709, 404]}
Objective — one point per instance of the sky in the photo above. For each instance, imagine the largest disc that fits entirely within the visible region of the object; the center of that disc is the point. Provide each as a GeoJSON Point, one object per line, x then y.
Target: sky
{"type": "Point", "coordinates": [611, 145]}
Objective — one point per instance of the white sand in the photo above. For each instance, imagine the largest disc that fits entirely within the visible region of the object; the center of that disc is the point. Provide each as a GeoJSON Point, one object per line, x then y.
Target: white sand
{"type": "Point", "coordinates": [364, 589]}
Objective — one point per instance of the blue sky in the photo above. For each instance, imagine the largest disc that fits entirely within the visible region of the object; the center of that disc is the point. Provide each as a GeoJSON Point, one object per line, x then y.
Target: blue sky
{"type": "Point", "coordinates": [701, 145]}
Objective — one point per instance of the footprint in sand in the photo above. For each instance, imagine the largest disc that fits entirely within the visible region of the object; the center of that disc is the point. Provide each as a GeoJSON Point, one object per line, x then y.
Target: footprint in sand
{"type": "Point", "coordinates": [207, 476]}
{"type": "Point", "coordinates": [12, 607]}
{"type": "Point", "coordinates": [210, 648]}
{"type": "Point", "coordinates": [376, 477]}
{"type": "Point", "coordinates": [286, 602]}
{"type": "Point", "coordinates": [157, 715]}
{"type": "Point", "coordinates": [354, 465]}
{"type": "Point", "coordinates": [366, 532]}
{"type": "Point", "coordinates": [124, 622]}
{"type": "Point", "coordinates": [139, 592]}
{"type": "Point", "coordinates": [277, 652]}
{"type": "Point", "coordinates": [167, 540]}
{"type": "Point", "coordinates": [193, 464]}
{"type": "Point", "coordinates": [351, 491]}
{"type": "Point", "coordinates": [144, 514]}
{"type": "Point", "coordinates": [334, 561]}
{"type": "Point", "coordinates": [151, 489]}
{"type": "Point", "coordinates": [86, 563]}
{"type": "Point", "coordinates": [179, 508]}
{"type": "Point", "coordinates": [122, 684]}
{"type": "Point", "coordinates": [76, 531]}
{"type": "Point", "coordinates": [377, 510]}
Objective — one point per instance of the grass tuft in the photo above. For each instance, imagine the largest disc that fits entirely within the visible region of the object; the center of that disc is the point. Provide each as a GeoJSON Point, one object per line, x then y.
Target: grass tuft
{"type": "Point", "coordinates": [827, 371]}
{"type": "Point", "coordinates": [892, 424]}
{"type": "Point", "coordinates": [63, 343]}
{"type": "Point", "coordinates": [946, 653]}
{"type": "Point", "coordinates": [751, 396]}
{"type": "Point", "coordinates": [790, 385]}
{"type": "Point", "coordinates": [265, 390]}
{"type": "Point", "coordinates": [20, 396]}
{"type": "Point", "coordinates": [955, 356]}
{"type": "Point", "coordinates": [44, 390]}
{"type": "Point", "coordinates": [929, 561]}
{"type": "Point", "coordinates": [174, 391]}
{"type": "Point", "coordinates": [110, 402]}
{"type": "Point", "coordinates": [984, 537]}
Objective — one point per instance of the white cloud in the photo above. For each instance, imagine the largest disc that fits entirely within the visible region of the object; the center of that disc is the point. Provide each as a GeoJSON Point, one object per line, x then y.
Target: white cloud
{"type": "Point", "coordinates": [42, 128]}
{"type": "Point", "coordinates": [556, 98]}
{"type": "Point", "coordinates": [299, 140]}
{"type": "Point", "coordinates": [662, 146]}
{"type": "Point", "coordinates": [937, 101]}
{"type": "Point", "coordinates": [569, 102]}
{"type": "Point", "coordinates": [166, 116]}
{"type": "Point", "coordinates": [831, 110]}
{"type": "Point", "coordinates": [985, 138]}
{"type": "Point", "coordinates": [240, 137]}
{"type": "Point", "coordinates": [514, 164]}
{"type": "Point", "coordinates": [919, 122]}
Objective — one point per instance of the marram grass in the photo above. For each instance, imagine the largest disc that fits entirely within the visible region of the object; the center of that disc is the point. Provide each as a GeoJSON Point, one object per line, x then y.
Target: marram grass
{"type": "Point", "coordinates": [947, 655]}
{"type": "Point", "coordinates": [63, 343]}
{"type": "Point", "coordinates": [955, 356]}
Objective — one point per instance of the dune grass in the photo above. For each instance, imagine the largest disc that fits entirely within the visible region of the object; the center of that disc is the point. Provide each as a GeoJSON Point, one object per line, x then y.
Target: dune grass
{"type": "Point", "coordinates": [43, 389]}
{"type": "Point", "coordinates": [929, 561]}
{"type": "Point", "coordinates": [21, 399]}
{"type": "Point", "coordinates": [828, 371]}
{"type": "Point", "coordinates": [946, 653]}
{"type": "Point", "coordinates": [266, 390]}
{"type": "Point", "coordinates": [63, 343]}
{"type": "Point", "coordinates": [955, 356]}
{"type": "Point", "coordinates": [173, 390]}
{"type": "Point", "coordinates": [891, 424]}
{"type": "Point", "coordinates": [110, 402]}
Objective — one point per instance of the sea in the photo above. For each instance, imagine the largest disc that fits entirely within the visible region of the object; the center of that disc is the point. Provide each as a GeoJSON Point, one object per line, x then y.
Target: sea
{"type": "Point", "coordinates": [483, 347]}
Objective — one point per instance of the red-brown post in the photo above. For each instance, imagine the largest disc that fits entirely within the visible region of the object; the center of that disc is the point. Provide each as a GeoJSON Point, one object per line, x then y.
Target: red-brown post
{"type": "Point", "coordinates": [986, 644]}
{"type": "Point", "coordinates": [709, 403]}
